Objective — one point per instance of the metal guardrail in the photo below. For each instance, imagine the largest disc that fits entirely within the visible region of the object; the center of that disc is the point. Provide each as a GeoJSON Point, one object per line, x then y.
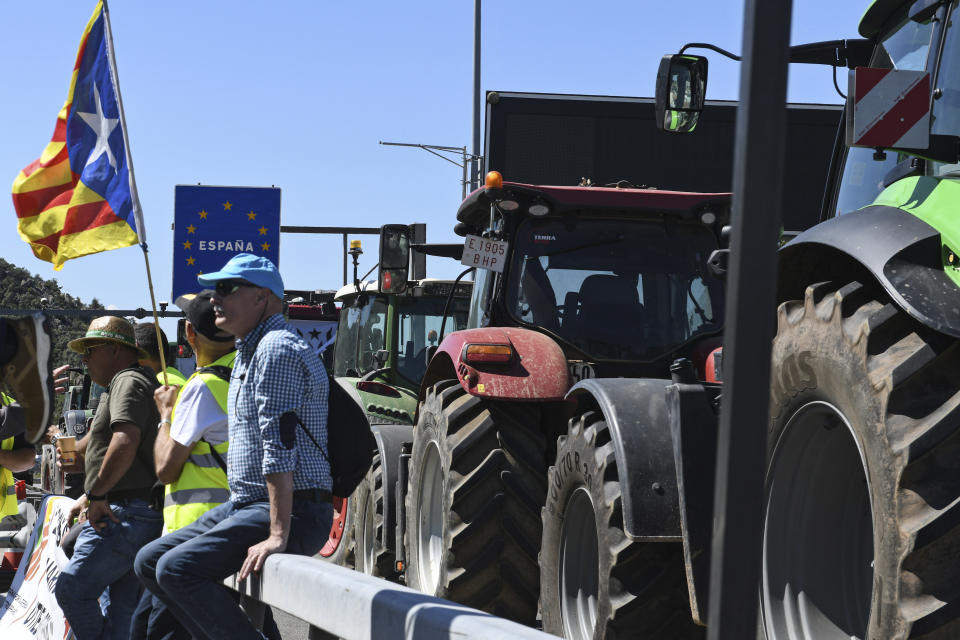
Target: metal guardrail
{"type": "Point", "coordinates": [354, 606]}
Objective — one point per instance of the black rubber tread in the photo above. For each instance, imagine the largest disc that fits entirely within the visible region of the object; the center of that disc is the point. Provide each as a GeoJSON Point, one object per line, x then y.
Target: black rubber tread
{"type": "Point", "coordinates": [642, 585]}
{"type": "Point", "coordinates": [493, 457]}
{"type": "Point", "coordinates": [343, 555]}
{"type": "Point", "coordinates": [897, 383]}
{"type": "Point", "coordinates": [372, 487]}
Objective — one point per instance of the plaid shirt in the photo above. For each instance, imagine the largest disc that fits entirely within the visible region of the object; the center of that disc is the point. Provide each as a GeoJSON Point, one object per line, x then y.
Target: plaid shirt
{"type": "Point", "coordinates": [275, 372]}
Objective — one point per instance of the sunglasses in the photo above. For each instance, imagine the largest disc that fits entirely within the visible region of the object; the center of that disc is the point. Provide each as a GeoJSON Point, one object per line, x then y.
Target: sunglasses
{"type": "Point", "coordinates": [225, 288]}
{"type": "Point", "coordinates": [88, 349]}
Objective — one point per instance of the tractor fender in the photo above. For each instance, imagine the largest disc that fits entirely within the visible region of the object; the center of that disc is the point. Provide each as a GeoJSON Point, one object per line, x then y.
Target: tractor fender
{"type": "Point", "coordinates": [390, 440]}
{"type": "Point", "coordinates": [539, 372]}
{"type": "Point", "coordinates": [350, 386]}
{"type": "Point", "coordinates": [635, 411]}
{"type": "Point", "coordinates": [899, 250]}
{"type": "Point", "coordinates": [693, 411]}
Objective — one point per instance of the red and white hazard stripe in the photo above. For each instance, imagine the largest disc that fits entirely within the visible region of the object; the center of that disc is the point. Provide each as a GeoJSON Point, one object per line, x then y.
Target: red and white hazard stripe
{"type": "Point", "coordinates": [891, 108]}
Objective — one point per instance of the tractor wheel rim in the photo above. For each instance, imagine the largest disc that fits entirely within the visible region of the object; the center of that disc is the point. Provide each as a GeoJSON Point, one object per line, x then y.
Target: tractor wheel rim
{"type": "Point", "coordinates": [430, 534]}
{"type": "Point", "coordinates": [818, 530]}
{"type": "Point", "coordinates": [579, 567]}
{"type": "Point", "coordinates": [365, 531]}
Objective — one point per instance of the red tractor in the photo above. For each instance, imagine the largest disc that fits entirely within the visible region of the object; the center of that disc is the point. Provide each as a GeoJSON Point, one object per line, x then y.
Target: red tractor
{"type": "Point", "coordinates": [579, 282]}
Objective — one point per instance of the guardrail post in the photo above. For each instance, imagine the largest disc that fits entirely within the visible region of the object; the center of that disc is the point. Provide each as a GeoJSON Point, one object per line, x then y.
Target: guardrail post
{"type": "Point", "coordinates": [316, 633]}
{"type": "Point", "coordinates": [254, 610]}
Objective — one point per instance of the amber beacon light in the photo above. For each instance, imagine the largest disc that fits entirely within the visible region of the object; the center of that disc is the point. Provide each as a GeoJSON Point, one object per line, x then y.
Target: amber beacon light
{"type": "Point", "coordinates": [494, 180]}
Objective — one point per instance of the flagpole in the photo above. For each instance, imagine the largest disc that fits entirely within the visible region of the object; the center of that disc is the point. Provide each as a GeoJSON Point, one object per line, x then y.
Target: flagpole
{"type": "Point", "coordinates": [134, 196]}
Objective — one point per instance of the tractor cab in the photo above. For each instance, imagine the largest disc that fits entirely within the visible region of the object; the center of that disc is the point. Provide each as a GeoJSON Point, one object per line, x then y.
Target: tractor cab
{"type": "Point", "coordinates": [383, 340]}
{"type": "Point", "coordinates": [620, 278]}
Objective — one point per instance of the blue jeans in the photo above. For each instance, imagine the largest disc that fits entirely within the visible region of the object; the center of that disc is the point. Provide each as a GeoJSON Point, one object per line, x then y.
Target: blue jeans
{"type": "Point", "coordinates": [153, 621]}
{"type": "Point", "coordinates": [185, 569]}
{"type": "Point", "coordinates": [103, 561]}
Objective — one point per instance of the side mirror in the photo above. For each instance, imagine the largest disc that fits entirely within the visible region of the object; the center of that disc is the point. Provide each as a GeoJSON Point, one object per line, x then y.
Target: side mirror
{"type": "Point", "coordinates": [184, 350]}
{"type": "Point", "coordinates": [381, 357]}
{"type": "Point", "coordinates": [681, 90]}
{"type": "Point", "coordinates": [394, 257]}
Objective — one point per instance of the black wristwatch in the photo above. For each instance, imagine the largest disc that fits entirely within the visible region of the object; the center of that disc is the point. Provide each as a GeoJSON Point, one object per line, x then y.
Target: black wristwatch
{"type": "Point", "coordinates": [91, 497]}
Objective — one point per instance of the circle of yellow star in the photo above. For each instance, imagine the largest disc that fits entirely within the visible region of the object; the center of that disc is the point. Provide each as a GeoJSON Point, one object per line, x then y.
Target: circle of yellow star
{"type": "Point", "coordinates": [191, 229]}
{"type": "Point", "coordinates": [251, 216]}
{"type": "Point", "coordinates": [187, 245]}
{"type": "Point", "coordinates": [203, 214]}
{"type": "Point", "coordinates": [265, 246]}
{"type": "Point", "coordinates": [263, 231]}
{"type": "Point", "coordinates": [190, 261]}
{"type": "Point", "coordinates": [227, 205]}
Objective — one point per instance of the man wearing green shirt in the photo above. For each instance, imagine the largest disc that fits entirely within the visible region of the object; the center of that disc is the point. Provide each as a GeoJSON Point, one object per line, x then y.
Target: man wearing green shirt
{"type": "Point", "coordinates": [118, 461]}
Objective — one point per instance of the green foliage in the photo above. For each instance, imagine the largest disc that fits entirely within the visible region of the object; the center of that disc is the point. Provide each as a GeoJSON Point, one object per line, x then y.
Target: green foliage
{"type": "Point", "coordinates": [19, 289]}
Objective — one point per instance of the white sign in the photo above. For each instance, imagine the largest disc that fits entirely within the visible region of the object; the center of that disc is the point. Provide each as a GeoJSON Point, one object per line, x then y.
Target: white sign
{"type": "Point", "coordinates": [485, 253]}
{"type": "Point", "coordinates": [30, 610]}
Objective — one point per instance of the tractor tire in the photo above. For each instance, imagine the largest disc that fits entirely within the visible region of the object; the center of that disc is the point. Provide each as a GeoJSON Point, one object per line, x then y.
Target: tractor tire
{"type": "Point", "coordinates": [339, 548]}
{"type": "Point", "coordinates": [476, 485]}
{"type": "Point", "coordinates": [862, 498]}
{"type": "Point", "coordinates": [595, 583]}
{"type": "Point", "coordinates": [370, 549]}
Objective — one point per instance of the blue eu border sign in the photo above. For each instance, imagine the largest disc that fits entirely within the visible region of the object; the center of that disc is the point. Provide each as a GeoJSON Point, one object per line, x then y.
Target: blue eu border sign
{"type": "Point", "coordinates": [213, 224]}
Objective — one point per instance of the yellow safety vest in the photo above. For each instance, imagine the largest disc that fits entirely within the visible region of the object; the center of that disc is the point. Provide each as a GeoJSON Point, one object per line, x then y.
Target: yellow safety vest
{"type": "Point", "coordinates": [174, 377]}
{"type": "Point", "coordinates": [8, 489]}
{"type": "Point", "coordinates": [202, 483]}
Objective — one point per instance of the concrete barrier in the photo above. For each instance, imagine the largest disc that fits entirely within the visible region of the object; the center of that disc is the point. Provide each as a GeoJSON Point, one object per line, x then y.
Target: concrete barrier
{"type": "Point", "coordinates": [355, 606]}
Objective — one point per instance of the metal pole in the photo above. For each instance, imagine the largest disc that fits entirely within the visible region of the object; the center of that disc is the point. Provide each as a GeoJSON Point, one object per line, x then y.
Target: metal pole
{"type": "Point", "coordinates": [474, 166]}
{"type": "Point", "coordinates": [115, 76]}
{"type": "Point", "coordinates": [134, 196]}
{"type": "Point", "coordinates": [463, 189]}
{"type": "Point", "coordinates": [750, 321]}
{"type": "Point", "coordinates": [346, 248]}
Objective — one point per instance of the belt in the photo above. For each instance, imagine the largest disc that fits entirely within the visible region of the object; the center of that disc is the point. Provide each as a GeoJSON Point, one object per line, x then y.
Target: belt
{"type": "Point", "coordinates": [313, 495]}
{"type": "Point", "coordinates": [130, 494]}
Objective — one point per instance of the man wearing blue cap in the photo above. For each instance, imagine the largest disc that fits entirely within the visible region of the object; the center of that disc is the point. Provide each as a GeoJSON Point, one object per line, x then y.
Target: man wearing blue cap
{"type": "Point", "coordinates": [277, 465]}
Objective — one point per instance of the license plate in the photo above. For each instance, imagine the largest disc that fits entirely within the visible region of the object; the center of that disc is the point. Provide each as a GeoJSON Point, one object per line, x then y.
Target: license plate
{"type": "Point", "coordinates": [484, 253]}
{"type": "Point", "coordinates": [581, 371]}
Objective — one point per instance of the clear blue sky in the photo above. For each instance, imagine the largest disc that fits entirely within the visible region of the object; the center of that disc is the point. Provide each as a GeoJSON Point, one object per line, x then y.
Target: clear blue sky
{"type": "Point", "coordinates": [297, 94]}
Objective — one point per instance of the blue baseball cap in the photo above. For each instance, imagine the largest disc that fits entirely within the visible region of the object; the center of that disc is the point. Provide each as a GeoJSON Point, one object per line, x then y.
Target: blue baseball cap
{"type": "Point", "coordinates": [246, 266]}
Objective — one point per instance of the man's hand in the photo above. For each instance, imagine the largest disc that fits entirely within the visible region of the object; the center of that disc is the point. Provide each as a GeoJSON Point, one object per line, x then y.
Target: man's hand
{"type": "Point", "coordinates": [77, 467]}
{"type": "Point", "coordinates": [280, 490]}
{"type": "Point", "coordinates": [257, 555]}
{"type": "Point", "coordinates": [166, 397]}
{"type": "Point", "coordinates": [78, 510]}
{"type": "Point", "coordinates": [97, 511]}
{"type": "Point", "coordinates": [60, 380]}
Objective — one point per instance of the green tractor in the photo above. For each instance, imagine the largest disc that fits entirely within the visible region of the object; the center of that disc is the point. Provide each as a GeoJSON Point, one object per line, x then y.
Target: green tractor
{"type": "Point", "coordinates": [380, 356]}
{"type": "Point", "coordinates": [862, 502]}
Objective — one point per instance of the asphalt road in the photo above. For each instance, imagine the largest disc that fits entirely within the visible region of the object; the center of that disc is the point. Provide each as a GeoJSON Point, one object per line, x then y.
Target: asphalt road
{"type": "Point", "coordinates": [291, 628]}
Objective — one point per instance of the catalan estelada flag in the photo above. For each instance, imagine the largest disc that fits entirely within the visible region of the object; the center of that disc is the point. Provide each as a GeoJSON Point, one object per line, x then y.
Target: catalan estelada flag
{"type": "Point", "coordinates": [79, 197]}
